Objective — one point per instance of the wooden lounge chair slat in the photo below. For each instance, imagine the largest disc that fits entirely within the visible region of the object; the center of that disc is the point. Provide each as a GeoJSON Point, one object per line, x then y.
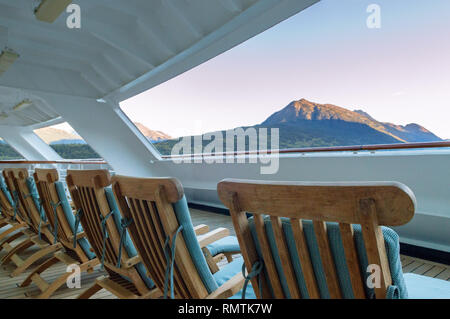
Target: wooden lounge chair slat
{"type": "Point", "coordinates": [320, 230]}
{"type": "Point", "coordinates": [155, 270]}
{"type": "Point", "coordinates": [374, 243]}
{"type": "Point", "coordinates": [17, 180]}
{"type": "Point", "coordinates": [94, 218]}
{"type": "Point", "coordinates": [157, 241]}
{"type": "Point", "coordinates": [267, 255]}
{"type": "Point", "coordinates": [286, 262]}
{"type": "Point", "coordinates": [151, 203]}
{"type": "Point", "coordinates": [305, 260]}
{"type": "Point", "coordinates": [351, 258]}
{"type": "Point", "coordinates": [142, 214]}
{"type": "Point", "coordinates": [150, 212]}
{"type": "Point", "coordinates": [45, 180]}
{"type": "Point", "coordinates": [88, 192]}
{"type": "Point", "coordinates": [370, 204]}
{"type": "Point", "coordinates": [248, 248]}
{"type": "Point", "coordinates": [186, 266]}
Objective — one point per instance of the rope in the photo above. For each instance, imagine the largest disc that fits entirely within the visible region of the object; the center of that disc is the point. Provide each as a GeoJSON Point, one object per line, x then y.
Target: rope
{"type": "Point", "coordinates": [105, 235]}
{"type": "Point", "coordinates": [169, 253]}
{"type": "Point", "coordinates": [392, 292]}
{"type": "Point", "coordinates": [41, 218]}
{"type": "Point", "coordinates": [78, 216]}
{"type": "Point", "coordinates": [15, 204]}
{"type": "Point", "coordinates": [55, 214]}
{"type": "Point", "coordinates": [124, 223]}
{"type": "Point", "coordinates": [256, 270]}
{"type": "Point", "coordinates": [25, 196]}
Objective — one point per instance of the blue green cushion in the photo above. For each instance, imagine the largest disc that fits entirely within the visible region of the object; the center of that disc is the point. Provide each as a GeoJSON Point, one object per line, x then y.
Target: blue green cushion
{"type": "Point", "coordinates": [128, 243]}
{"type": "Point", "coordinates": [34, 195]}
{"type": "Point", "coordinates": [68, 213]}
{"type": "Point", "coordinates": [337, 249]}
{"type": "Point", "coordinates": [5, 190]}
{"type": "Point", "coordinates": [422, 287]}
{"type": "Point", "coordinates": [227, 244]}
{"type": "Point", "coordinates": [229, 271]}
{"type": "Point", "coordinates": [184, 219]}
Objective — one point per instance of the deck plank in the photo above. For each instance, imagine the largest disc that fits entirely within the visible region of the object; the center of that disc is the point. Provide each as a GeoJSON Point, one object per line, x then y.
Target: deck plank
{"type": "Point", "coordinates": [9, 289]}
{"type": "Point", "coordinates": [422, 269]}
{"type": "Point", "coordinates": [445, 275]}
{"type": "Point", "coordinates": [435, 271]}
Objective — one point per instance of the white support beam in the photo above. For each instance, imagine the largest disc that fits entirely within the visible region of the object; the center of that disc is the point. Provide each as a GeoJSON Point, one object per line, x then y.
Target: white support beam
{"type": "Point", "coordinates": [28, 144]}
{"type": "Point", "coordinates": [108, 131]}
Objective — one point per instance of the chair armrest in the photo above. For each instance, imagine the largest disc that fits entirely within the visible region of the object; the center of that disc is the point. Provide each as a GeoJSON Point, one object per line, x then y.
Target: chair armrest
{"type": "Point", "coordinates": [229, 288]}
{"type": "Point", "coordinates": [201, 229]}
{"type": "Point", "coordinates": [81, 235]}
{"type": "Point", "coordinates": [212, 236]}
{"type": "Point", "coordinates": [131, 262]}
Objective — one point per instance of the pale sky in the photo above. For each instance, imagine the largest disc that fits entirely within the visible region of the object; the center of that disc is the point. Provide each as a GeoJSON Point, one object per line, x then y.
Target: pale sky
{"type": "Point", "coordinates": [399, 73]}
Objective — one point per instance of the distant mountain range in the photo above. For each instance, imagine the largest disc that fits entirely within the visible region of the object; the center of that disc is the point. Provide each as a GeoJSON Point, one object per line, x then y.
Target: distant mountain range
{"type": "Point", "coordinates": [301, 123]}
{"type": "Point", "coordinates": [50, 135]}
{"type": "Point", "coordinates": [336, 125]}
{"type": "Point", "coordinates": [56, 136]}
{"type": "Point", "coordinates": [304, 123]}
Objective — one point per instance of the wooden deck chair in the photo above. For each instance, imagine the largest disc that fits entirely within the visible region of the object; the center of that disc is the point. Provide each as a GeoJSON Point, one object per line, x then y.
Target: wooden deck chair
{"type": "Point", "coordinates": [163, 234]}
{"type": "Point", "coordinates": [108, 235]}
{"type": "Point", "coordinates": [77, 250]}
{"type": "Point", "coordinates": [16, 219]}
{"type": "Point", "coordinates": [324, 240]}
{"type": "Point", "coordinates": [11, 225]}
{"type": "Point", "coordinates": [38, 234]}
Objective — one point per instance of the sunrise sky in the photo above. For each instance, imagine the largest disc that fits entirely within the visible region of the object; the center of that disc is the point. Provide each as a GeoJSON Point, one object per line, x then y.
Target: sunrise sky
{"type": "Point", "coordinates": [399, 73]}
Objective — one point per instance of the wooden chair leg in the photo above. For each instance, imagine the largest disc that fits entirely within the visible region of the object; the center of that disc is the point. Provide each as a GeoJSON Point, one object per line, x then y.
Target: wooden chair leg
{"type": "Point", "coordinates": [55, 285]}
{"type": "Point", "coordinates": [37, 272]}
{"type": "Point", "coordinates": [10, 239]}
{"type": "Point", "coordinates": [47, 290]}
{"type": "Point", "coordinates": [90, 292]}
{"type": "Point", "coordinates": [152, 294]}
{"type": "Point", "coordinates": [14, 251]}
{"type": "Point", "coordinates": [11, 230]}
{"type": "Point", "coordinates": [35, 257]}
{"type": "Point", "coordinates": [115, 288]}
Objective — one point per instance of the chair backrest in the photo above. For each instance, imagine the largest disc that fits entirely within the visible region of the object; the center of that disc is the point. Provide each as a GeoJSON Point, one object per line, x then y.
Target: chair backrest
{"type": "Point", "coordinates": [150, 202]}
{"type": "Point", "coordinates": [333, 210]}
{"type": "Point", "coordinates": [58, 211]}
{"type": "Point", "coordinates": [87, 189]}
{"type": "Point", "coordinates": [6, 199]}
{"type": "Point", "coordinates": [25, 197]}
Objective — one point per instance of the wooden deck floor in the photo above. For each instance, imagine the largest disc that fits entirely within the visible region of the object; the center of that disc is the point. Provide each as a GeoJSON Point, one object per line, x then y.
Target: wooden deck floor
{"type": "Point", "coordinates": [9, 289]}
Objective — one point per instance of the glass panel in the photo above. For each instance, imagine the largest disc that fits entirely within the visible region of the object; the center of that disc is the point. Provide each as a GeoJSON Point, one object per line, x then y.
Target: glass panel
{"type": "Point", "coordinates": [66, 142]}
{"type": "Point", "coordinates": [7, 152]}
{"type": "Point", "coordinates": [340, 73]}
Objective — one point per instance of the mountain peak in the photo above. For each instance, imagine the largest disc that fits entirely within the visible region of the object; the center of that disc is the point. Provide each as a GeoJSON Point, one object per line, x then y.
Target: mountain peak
{"type": "Point", "coordinates": [306, 110]}
{"type": "Point", "coordinates": [151, 134]}
{"type": "Point", "coordinates": [301, 112]}
{"type": "Point", "coordinates": [55, 135]}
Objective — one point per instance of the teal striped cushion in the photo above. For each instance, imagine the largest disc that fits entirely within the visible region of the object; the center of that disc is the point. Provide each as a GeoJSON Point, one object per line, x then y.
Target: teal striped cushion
{"type": "Point", "coordinates": [184, 218]}
{"type": "Point", "coordinates": [68, 213]}
{"type": "Point", "coordinates": [337, 250]}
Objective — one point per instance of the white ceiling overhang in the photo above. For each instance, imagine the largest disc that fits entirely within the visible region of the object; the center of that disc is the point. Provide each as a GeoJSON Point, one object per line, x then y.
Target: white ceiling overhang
{"type": "Point", "coordinates": [123, 47]}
